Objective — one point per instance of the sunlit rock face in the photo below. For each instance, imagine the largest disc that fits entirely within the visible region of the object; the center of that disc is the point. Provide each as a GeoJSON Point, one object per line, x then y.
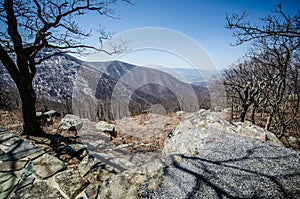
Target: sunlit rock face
{"type": "Point", "coordinates": [203, 157]}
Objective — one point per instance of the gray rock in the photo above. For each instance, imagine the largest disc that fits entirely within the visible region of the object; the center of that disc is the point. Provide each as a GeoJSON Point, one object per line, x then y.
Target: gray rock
{"type": "Point", "coordinates": [107, 128]}
{"type": "Point", "coordinates": [1, 152]}
{"type": "Point", "coordinates": [121, 186]}
{"type": "Point", "coordinates": [87, 163]}
{"type": "Point", "coordinates": [126, 184]}
{"type": "Point", "coordinates": [47, 165]}
{"type": "Point", "coordinates": [51, 113]}
{"type": "Point", "coordinates": [8, 139]}
{"type": "Point", "coordinates": [293, 142]}
{"type": "Point", "coordinates": [96, 143]}
{"type": "Point", "coordinates": [27, 171]}
{"type": "Point", "coordinates": [8, 181]}
{"type": "Point", "coordinates": [12, 165]}
{"type": "Point", "coordinates": [18, 150]}
{"type": "Point", "coordinates": [39, 190]}
{"type": "Point", "coordinates": [271, 137]}
{"type": "Point", "coordinates": [2, 129]}
{"type": "Point", "coordinates": [35, 155]}
{"type": "Point", "coordinates": [24, 183]}
{"type": "Point", "coordinates": [250, 130]}
{"type": "Point", "coordinates": [38, 114]}
{"type": "Point", "coordinates": [74, 148]}
{"type": "Point", "coordinates": [117, 162]}
{"type": "Point", "coordinates": [70, 182]}
{"type": "Point", "coordinates": [217, 162]}
{"type": "Point", "coordinates": [92, 191]}
{"type": "Point", "coordinates": [71, 122]}
{"type": "Point", "coordinates": [113, 164]}
{"type": "Point", "coordinates": [99, 173]}
{"type": "Point", "coordinates": [205, 127]}
{"type": "Point", "coordinates": [186, 139]}
{"type": "Point", "coordinates": [231, 167]}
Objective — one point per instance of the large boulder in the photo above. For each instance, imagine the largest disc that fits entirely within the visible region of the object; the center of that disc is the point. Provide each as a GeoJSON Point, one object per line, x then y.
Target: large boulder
{"type": "Point", "coordinates": [126, 184]}
{"type": "Point", "coordinates": [230, 166]}
{"type": "Point", "coordinates": [52, 113]}
{"type": "Point", "coordinates": [37, 191]}
{"type": "Point", "coordinates": [107, 128]}
{"type": "Point", "coordinates": [250, 130]}
{"type": "Point", "coordinates": [194, 132]}
{"type": "Point", "coordinates": [47, 165]}
{"type": "Point", "coordinates": [70, 182]}
{"type": "Point", "coordinates": [71, 123]}
{"type": "Point", "coordinates": [46, 117]}
{"type": "Point", "coordinates": [215, 159]}
{"type": "Point", "coordinates": [203, 127]}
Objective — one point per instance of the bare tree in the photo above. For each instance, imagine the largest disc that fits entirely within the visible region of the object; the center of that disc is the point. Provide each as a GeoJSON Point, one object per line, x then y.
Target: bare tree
{"type": "Point", "coordinates": [275, 55]}
{"type": "Point", "coordinates": [30, 27]}
{"type": "Point", "coordinates": [279, 61]}
{"type": "Point", "coordinates": [243, 86]}
{"type": "Point", "coordinates": [268, 82]}
{"type": "Point", "coordinates": [278, 24]}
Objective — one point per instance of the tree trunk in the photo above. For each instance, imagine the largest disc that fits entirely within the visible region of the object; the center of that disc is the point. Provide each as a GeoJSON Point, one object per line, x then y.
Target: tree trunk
{"type": "Point", "coordinates": [243, 112]}
{"type": "Point", "coordinates": [282, 131]}
{"type": "Point", "coordinates": [231, 112]}
{"type": "Point", "coordinates": [269, 121]}
{"type": "Point", "coordinates": [28, 98]}
{"type": "Point", "coordinates": [253, 114]}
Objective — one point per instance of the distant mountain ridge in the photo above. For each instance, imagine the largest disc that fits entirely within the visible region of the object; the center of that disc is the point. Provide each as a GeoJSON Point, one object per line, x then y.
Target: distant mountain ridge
{"type": "Point", "coordinates": [190, 75]}
{"type": "Point", "coordinates": [105, 90]}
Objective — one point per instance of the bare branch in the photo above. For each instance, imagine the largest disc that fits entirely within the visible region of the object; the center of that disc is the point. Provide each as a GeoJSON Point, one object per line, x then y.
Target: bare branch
{"type": "Point", "coordinates": [35, 25]}
{"type": "Point", "coordinates": [276, 25]}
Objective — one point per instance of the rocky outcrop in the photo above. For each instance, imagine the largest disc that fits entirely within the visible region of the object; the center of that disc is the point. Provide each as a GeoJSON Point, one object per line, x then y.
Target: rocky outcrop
{"type": "Point", "coordinates": [204, 127]}
{"type": "Point", "coordinates": [250, 130]}
{"type": "Point", "coordinates": [71, 183]}
{"type": "Point", "coordinates": [22, 163]}
{"type": "Point", "coordinates": [47, 165]}
{"type": "Point", "coordinates": [71, 123]}
{"type": "Point", "coordinates": [207, 157]}
{"type": "Point", "coordinates": [52, 113]}
{"type": "Point", "coordinates": [46, 117]}
{"type": "Point", "coordinates": [204, 157]}
{"type": "Point", "coordinates": [39, 190]}
{"type": "Point", "coordinates": [215, 159]}
{"type": "Point", "coordinates": [107, 128]}
{"type": "Point", "coordinates": [27, 171]}
{"type": "Point", "coordinates": [231, 167]}
{"type": "Point", "coordinates": [127, 183]}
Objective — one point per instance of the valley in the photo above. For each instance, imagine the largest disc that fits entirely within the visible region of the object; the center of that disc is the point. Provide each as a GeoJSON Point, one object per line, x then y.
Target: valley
{"type": "Point", "coordinates": [105, 90]}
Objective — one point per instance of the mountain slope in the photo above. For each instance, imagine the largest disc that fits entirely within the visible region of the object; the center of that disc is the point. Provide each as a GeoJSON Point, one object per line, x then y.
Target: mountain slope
{"type": "Point", "coordinates": [107, 90]}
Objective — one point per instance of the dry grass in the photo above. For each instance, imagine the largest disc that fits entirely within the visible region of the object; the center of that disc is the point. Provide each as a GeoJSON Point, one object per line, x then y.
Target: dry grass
{"type": "Point", "coordinates": [11, 120]}
{"type": "Point", "coordinates": [146, 132]}
{"type": "Point", "coordinates": [50, 140]}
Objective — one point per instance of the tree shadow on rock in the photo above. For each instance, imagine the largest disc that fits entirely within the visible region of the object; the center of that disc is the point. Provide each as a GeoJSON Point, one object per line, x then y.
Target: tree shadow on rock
{"type": "Point", "coordinates": [253, 175]}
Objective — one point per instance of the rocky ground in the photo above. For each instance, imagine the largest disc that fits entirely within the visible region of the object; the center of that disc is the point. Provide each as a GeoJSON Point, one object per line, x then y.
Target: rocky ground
{"type": "Point", "coordinates": [183, 155]}
{"type": "Point", "coordinates": [224, 161]}
{"type": "Point", "coordinates": [83, 157]}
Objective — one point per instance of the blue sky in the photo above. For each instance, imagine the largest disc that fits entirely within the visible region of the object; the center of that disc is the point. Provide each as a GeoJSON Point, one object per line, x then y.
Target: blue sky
{"type": "Point", "coordinates": [201, 20]}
